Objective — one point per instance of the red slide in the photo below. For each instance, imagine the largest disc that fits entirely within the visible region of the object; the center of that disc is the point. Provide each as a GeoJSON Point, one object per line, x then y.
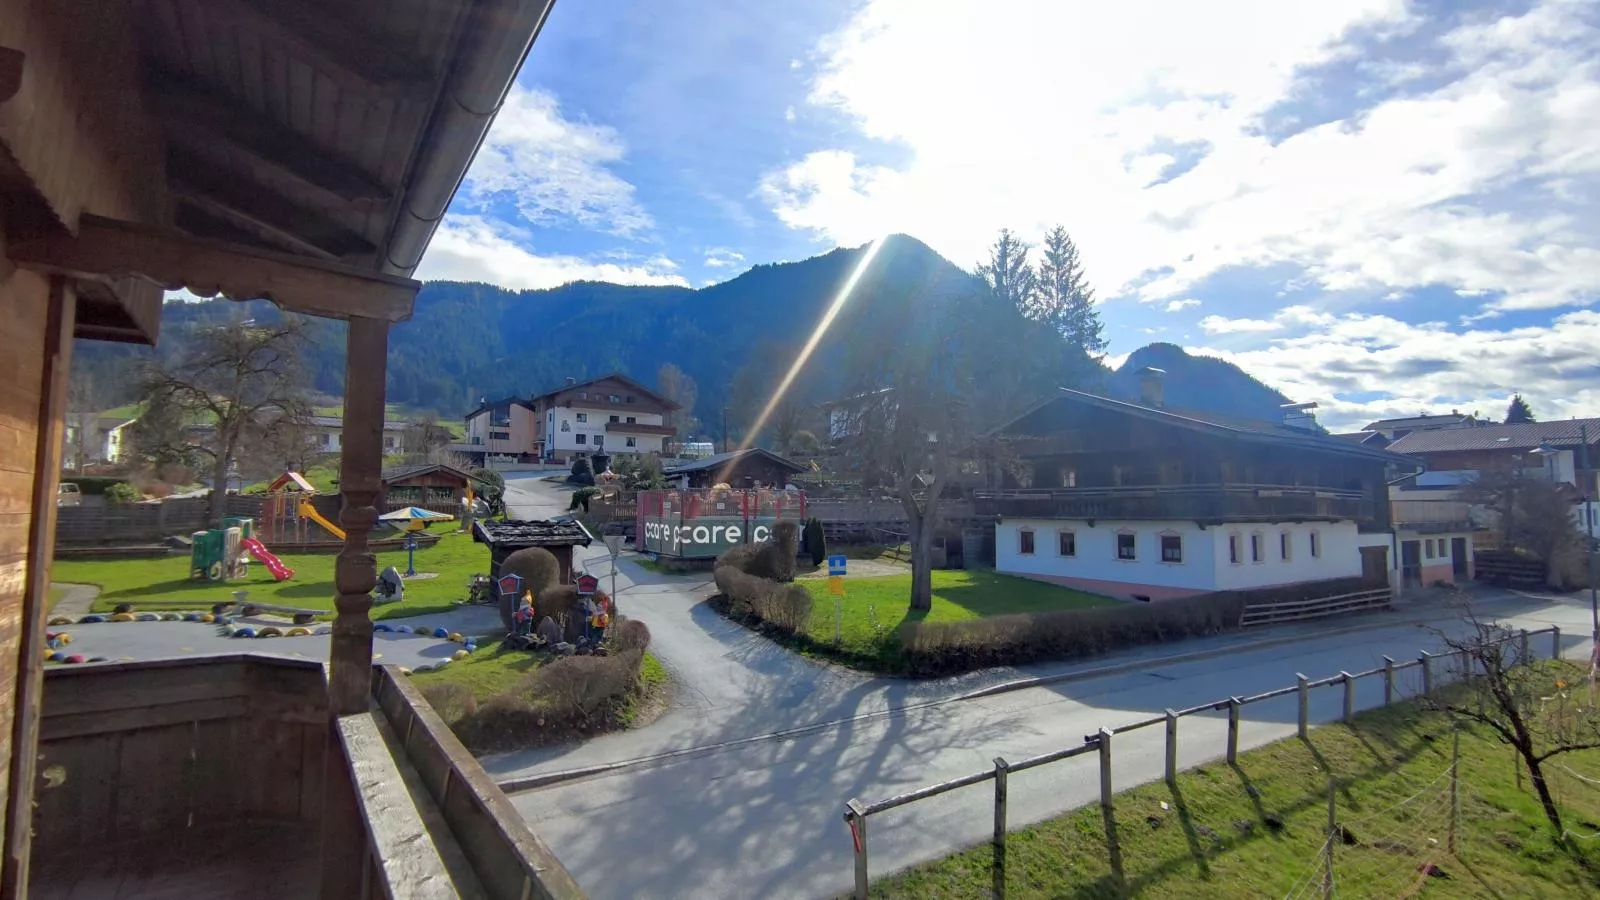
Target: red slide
{"type": "Point", "coordinates": [280, 572]}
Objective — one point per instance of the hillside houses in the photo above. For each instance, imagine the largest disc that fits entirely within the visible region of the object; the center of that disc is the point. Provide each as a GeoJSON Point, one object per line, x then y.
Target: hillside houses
{"type": "Point", "coordinates": [611, 414]}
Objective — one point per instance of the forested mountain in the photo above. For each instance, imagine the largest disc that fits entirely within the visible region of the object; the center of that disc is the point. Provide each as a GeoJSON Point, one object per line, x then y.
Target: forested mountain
{"type": "Point", "coordinates": [466, 342]}
{"type": "Point", "coordinates": [1201, 383]}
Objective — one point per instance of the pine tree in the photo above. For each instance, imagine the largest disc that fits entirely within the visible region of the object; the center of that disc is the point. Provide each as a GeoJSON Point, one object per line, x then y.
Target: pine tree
{"type": "Point", "coordinates": [1008, 273]}
{"type": "Point", "coordinates": [1064, 299]}
{"type": "Point", "coordinates": [1518, 411]}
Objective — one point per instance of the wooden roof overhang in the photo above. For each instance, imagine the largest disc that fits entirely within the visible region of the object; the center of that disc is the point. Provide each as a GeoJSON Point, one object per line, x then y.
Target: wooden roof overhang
{"type": "Point", "coordinates": [301, 151]}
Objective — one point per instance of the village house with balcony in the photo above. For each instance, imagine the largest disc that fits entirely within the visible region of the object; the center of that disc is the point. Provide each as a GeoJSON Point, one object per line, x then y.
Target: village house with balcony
{"type": "Point", "coordinates": [612, 414]}
{"type": "Point", "coordinates": [1144, 502]}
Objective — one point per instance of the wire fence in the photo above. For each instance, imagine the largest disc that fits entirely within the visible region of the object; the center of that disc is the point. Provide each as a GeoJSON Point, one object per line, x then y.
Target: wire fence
{"type": "Point", "coordinates": [1399, 679]}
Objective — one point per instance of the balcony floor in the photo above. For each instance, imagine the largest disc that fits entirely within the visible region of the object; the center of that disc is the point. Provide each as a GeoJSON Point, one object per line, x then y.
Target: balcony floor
{"type": "Point", "coordinates": [250, 862]}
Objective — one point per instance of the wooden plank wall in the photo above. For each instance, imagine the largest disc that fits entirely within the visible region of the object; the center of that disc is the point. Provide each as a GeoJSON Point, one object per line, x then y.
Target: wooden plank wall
{"type": "Point", "coordinates": [156, 747]}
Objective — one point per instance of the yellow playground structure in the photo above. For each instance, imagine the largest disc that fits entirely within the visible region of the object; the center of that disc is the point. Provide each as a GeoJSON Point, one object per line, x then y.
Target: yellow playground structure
{"type": "Point", "coordinates": [287, 512]}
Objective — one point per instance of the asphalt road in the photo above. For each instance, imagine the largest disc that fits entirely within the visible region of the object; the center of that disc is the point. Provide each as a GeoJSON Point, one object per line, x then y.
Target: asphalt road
{"type": "Point", "coordinates": [739, 812]}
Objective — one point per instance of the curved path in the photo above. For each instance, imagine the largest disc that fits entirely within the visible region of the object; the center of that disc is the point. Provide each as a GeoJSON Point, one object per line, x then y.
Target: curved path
{"type": "Point", "coordinates": [738, 790]}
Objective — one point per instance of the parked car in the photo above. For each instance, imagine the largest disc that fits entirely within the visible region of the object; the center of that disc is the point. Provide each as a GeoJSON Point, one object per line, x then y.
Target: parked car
{"type": "Point", "coordinates": [68, 495]}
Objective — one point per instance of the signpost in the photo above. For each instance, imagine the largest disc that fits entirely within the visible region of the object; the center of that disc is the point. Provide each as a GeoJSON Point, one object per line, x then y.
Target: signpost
{"type": "Point", "coordinates": [836, 572]}
{"type": "Point", "coordinates": [614, 547]}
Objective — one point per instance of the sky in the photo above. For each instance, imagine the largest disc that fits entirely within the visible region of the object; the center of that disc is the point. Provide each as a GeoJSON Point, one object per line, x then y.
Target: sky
{"type": "Point", "coordinates": [1382, 206]}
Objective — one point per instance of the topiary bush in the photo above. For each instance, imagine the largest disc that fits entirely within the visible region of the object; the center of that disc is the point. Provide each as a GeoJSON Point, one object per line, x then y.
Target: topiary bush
{"type": "Point", "coordinates": [123, 492]}
{"type": "Point", "coordinates": [539, 569]}
{"type": "Point", "coordinates": [816, 541]}
{"type": "Point", "coordinates": [630, 634]}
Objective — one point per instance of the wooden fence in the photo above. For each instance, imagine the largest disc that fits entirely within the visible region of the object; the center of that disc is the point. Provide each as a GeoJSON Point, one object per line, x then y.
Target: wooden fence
{"type": "Point", "coordinates": [1275, 611]}
{"type": "Point", "coordinates": [857, 813]}
{"type": "Point", "coordinates": [144, 522]}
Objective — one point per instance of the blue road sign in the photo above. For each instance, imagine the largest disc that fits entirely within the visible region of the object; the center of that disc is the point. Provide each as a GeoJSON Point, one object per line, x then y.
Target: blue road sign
{"type": "Point", "coordinates": [836, 564]}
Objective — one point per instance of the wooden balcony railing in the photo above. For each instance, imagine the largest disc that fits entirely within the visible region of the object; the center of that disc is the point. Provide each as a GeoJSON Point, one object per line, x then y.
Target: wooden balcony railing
{"type": "Point", "coordinates": [1203, 502]}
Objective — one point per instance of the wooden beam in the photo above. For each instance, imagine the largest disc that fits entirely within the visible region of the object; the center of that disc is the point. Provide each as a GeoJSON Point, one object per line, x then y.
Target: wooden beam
{"type": "Point", "coordinates": [197, 180]}
{"type": "Point", "coordinates": [335, 43]}
{"type": "Point", "coordinates": [196, 117]}
{"type": "Point", "coordinates": [35, 599]}
{"type": "Point", "coordinates": [105, 248]}
{"type": "Point", "coordinates": [10, 72]}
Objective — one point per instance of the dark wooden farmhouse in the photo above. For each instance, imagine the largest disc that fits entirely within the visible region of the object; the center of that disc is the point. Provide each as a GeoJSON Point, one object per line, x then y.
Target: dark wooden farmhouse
{"type": "Point", "coordinates": [739, 469]}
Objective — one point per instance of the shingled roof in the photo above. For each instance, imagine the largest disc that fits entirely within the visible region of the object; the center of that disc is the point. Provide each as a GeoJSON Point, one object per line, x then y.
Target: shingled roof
{"type": "Point", "coordinates": [516, 534]}
{"type": "Point", "coordinates": [1521, 437]}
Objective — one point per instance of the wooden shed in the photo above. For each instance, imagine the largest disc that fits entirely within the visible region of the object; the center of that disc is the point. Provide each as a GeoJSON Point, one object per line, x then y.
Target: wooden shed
{"type": "Point", "coordinates": [428, 485]}
{"type": "Point", "coordinates": [739, 469]}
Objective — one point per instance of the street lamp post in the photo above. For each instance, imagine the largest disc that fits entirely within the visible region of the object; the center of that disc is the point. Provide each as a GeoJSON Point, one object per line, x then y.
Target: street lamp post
{"type": "Point", "coordinates": [1588, 531]}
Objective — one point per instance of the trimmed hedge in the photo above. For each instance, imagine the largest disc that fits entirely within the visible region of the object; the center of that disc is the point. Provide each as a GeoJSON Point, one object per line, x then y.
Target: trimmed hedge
{"type": "Point", "coordinates": [749, 598]}
{"type": "Point", "coordinates": [939, 648]}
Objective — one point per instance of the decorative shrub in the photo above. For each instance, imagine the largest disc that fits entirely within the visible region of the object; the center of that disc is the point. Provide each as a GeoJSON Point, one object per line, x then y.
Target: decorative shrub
{"type": "Point", "coordinates": [576, 687]}
{"type": "Point", "coordinates": [453, 702]}
{"type": "Point", "coordinates": [581, 498]}
{"type": "Point", "coordinates": [773, 560]}
{"type": "Point", "coordinates": [816, 541]}
{"type": "Point", "coordinates": [630, 634]}
{"type": "Point", "coordinates": [786, 607]}
{"type": "Point", "coordinates": [540, 570]}
{"type": "Point", "coordinates": [123, 492]}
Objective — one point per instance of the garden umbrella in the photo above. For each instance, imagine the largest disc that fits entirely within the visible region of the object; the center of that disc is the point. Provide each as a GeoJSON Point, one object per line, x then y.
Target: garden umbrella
{"type": "Point", "coordinates": [412, 518]}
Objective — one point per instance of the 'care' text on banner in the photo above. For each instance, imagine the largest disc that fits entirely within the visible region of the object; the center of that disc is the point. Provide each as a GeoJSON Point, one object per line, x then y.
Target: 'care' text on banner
{"type": "Point", "coordinates": [704, 536]}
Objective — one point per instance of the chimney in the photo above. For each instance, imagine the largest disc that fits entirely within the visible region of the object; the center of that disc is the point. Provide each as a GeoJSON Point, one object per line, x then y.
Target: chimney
{"type": "Point", "coordinates": [571, 380]}
{"type": "Point", "coordinates": [1299, 415]}
{"type": "Point", "coordinates": [1151, 386]}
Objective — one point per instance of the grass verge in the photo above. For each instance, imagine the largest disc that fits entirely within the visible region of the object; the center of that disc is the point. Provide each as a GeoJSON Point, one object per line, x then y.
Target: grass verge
{"type": "Point", "coordinates": [1257, 829]}
{"type": "Point", "coordinates": [875, 611]}
{"type": "Point", "coordinates": [158, 584]}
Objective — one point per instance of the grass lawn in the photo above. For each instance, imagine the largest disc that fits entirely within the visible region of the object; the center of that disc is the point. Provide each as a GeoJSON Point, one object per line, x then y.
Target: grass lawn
{"type": "Point", "coordinates": [163, 583]}
{"type": "Point", "coordinates": [875, 609]}
{"type": "Point", "coordinates": [487, 672]}
{"type": "Point", "coordinates": [1213, 835]}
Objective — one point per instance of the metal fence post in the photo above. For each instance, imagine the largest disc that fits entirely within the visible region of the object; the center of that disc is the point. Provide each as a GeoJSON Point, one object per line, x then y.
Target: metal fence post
{"type": "Point", "coordinates": [1524, 648]}
{"type": "Point", "coordinates": [1000, 769]}
{"type": "Point", "coordinates": [1388, 681]}
{"type": "Point", "coordinates": [1555, 642]}
{"type": "Point", "coordinates": [1349, 697]}
{"type": "Point", "coordinates": [1233, 730]}
{"type": "Point", "coordinates": [856, 816]}
{"type": "Point", "coordinates": [1305, 699]}
{"type": "Point", "coordinates": [1172, 746]}
{"type": "Point", "coordinates": [1427, 672]}
{"type": "Point", "coordinates": [1105, 768]}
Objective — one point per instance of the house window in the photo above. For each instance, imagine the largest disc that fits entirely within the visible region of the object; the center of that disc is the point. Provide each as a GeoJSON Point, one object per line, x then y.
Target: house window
{"type": "Point", "coordinates": [324, 438]}
{"type": "Point", "coordinates": [1069, 478]}
{"type": "Point", "coordinates": [583, 395]}
{"type": "Point", "coordinates": [499, 435]}
{"type": "Point", "coordinates": [1025, 542]}
{"type": "Point", "coordinates": [1444, 549]}
{"type": "Point", "coordinates": [599, 440]}
{"type": "Point", "coordinates": [475, 439]}
{"type": "Point", "coordinates": [583, 417]}
{"type": "Point", "coordinates": [1171, 548]}
{"type": "Point", "coordinates": [1316, 544]}
{"type": "Point", "coordinates": [565, 425]}
{"type": "Point", "coordinates": [580, 439]}
{"type": "Point", "coordinates": [1283, 546]}
{"type": "Point", "coordinates": [1427, 549]}
{"type": "Point", "coordinates": [1127, 546]}
{"type": "Point", "coordinates": [632, 442]}
{"type": "Point", "coordinates": [632, 420]}
{"type": "Point", "coordinates": [1067, 543]}
{"type": "Point", "coordinates": [1233, 549]}
{"type": "Point", "coordinates": [630, 398]}
{"type": "Point", "coordinates": [616, 419]}
{"type": "Point", "coordinates": [1255, 548]}
{"type": "Point", "coordinates": [614, 398]}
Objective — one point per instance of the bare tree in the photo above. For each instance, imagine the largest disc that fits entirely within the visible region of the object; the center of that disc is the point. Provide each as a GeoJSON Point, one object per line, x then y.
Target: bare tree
{"type": "Point", "coordinates": [673, 384]}
{"type": "Point", "coordinates": [230, 389]}
{"type": "Point", "coordinates": [1535, 515]}
{"type": "Point", "coordinates": [1513, 697]}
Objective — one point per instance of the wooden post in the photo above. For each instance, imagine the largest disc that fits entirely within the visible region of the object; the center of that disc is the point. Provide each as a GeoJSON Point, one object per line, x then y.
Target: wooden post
{"type": "Point", "coordinates": [1305, 700]}
{"type": "Point", "coordinates": [1427, 672]}
{"type": "Point", "coordinates": [360, 472]}
{"type": "Point", "coordinates": [1388, 681]}
{"type": "Point", "coordinates": [1233, 730]}
{"type": "Point", "coordinates": [60, 319]}
{"type": "Point", "coordinates": [1349, 697]}
{"type": "Point", "coordinates": [1172, 746]}
{"type": "Point", "coordinates": [999, 874]}
{"type": "Point", "coordinates": [1555, 641]}
{"type": "Point", "coordinates": [856, 816]}
{"type": "Point", "coordinates": [1105, 768]}
{"type": "Point", "coordinates": [1333, 838]}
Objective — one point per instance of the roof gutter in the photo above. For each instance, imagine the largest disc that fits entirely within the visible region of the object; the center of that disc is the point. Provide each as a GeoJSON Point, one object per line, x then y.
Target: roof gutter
{"type": "Point", "coordinates": [497, 39]}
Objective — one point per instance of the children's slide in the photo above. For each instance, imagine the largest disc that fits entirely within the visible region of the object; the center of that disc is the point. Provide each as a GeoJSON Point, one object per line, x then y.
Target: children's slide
{"type": "Point", "coordinates": [280, 572]}
{"type": "Point", "coordinates": [310, 512]}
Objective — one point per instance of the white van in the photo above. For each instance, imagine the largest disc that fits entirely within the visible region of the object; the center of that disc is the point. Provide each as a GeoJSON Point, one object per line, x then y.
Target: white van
{"type": "Point", "coordinates": [68, 495]}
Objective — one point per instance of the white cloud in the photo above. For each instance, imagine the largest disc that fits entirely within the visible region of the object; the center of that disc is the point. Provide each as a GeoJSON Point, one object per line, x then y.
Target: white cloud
{"type": "Point", "coordinates": [469, 248]}
{"type": "Point", "coordinates": [1219, 325]}
{"type": "Point", "coordinates": [1365, 367]}
{"type": "Point", "coordinates": [722, 258]}
{"type": "Point", "coordinates": [1476, 182]}
{"type": "Point", "coordinates": [1181, 305]}
{"type": "Point", "coordinates": [788, 114]}
{"type": "Point", "coordinates": [554, 169]}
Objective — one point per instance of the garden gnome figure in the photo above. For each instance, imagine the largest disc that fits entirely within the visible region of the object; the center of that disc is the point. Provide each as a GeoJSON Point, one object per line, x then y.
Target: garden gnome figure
{"type": "Point", "coordinates": [523, 617]}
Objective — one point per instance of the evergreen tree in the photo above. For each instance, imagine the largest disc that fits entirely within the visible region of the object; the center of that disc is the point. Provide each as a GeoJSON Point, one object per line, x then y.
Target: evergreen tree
{"type": "Point", "coordinates": [1008, 272]}
{"type": "Point", "coordinates": [1063, 299]}
{"type": "Point", "coordinates": [1518, 411]}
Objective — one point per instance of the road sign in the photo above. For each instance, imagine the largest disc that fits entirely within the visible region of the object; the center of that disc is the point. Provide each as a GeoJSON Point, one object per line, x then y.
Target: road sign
{"type": "Point", "coordinates": [836, 564]}
{"type": "Point", "coordinates": [836, 585]}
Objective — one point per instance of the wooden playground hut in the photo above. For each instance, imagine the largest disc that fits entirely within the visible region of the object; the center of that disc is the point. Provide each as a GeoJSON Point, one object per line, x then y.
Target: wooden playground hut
{"type": "Point", "coordinates": [434, 486]}
{"type": "Point", "coordinates": [286, 150]}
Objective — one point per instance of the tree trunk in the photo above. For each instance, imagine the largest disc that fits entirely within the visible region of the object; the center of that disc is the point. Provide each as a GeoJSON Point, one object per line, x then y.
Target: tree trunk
{"type": "Point", "coordinates": [219, 487]}
{"type": "Point", "coordinates": [1551, 812]}
{"type": "Point", "coordinates": [921, 565]}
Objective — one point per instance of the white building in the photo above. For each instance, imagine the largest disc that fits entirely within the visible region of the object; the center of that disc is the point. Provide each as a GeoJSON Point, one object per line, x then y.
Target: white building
{"type": "Point", "coordinates": [611, 414]}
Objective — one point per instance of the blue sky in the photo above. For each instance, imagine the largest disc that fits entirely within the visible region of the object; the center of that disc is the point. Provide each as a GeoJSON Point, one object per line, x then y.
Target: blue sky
{"type": "Point", "coordinates": [1378, 205]}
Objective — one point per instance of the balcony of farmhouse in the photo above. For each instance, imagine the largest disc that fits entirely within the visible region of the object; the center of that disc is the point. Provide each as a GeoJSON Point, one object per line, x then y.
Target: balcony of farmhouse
{"type": "Point", "coordinates": [638, 428]}
{"type": "Point", "coordinates": [1196, 502]}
